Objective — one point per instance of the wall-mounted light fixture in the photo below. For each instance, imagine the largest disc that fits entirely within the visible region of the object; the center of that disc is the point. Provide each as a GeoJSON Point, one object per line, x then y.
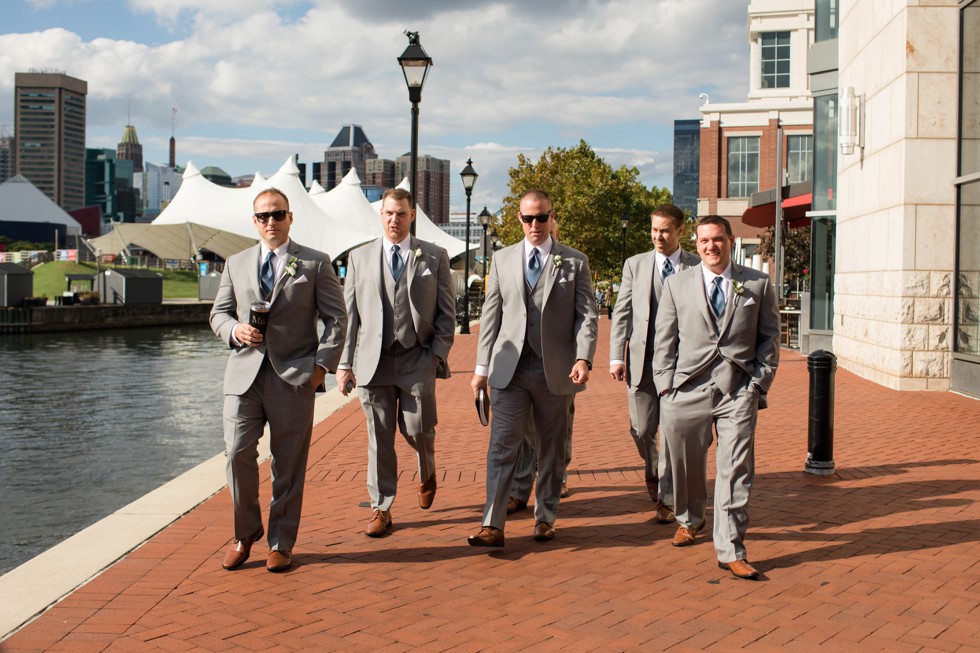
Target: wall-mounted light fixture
{"type": "Point", "coordinates": [850, 126]}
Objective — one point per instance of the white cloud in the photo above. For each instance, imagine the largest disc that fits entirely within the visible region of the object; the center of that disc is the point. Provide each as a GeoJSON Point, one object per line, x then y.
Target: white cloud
{"type": "Point", "coordinates": [509, 76]}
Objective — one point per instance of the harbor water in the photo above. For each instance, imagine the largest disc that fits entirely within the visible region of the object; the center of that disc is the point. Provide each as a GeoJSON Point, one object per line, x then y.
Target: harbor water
{"type": "Point", "coordinates": [91, 421]}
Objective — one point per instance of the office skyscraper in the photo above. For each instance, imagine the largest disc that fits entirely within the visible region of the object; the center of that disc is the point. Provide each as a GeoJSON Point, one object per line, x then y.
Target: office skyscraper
{"type": "Point", "coordinates": [350, 149]}
{"type": "Point", "coordinates": [129, 149]}
{"type": "Point", "coordinates": [49, 135]}
{"type": "Point", "coordinates": [432, 185]}
{"type": "Point", "coordinates": [687, 160]}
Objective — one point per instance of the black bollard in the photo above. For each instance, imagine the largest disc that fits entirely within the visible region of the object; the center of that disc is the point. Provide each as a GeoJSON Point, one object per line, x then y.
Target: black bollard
{"type": "Point", "coordinates": [820, 445]}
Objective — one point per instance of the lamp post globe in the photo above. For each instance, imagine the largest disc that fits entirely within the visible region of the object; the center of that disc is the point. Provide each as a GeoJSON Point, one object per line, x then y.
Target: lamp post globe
{"type": "Point", "coordinates": [469, 178]}
{"type": "Point", "coordinates": [415, 63]}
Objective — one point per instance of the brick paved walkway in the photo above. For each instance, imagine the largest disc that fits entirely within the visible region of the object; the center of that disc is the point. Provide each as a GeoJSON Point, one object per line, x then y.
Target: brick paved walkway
{"type": "Point", "coordinates": [883, 556]}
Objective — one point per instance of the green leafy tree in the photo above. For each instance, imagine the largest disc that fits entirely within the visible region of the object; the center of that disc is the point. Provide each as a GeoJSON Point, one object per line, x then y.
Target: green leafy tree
{"type": "Point", "coordinates": [796, 254]}
{"type": "Point", "coordinates": [589, 198]}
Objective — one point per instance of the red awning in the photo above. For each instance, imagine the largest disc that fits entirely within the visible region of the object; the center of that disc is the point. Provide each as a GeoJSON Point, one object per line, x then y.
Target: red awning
{"type": "Point", "coordinates": [794, 210]}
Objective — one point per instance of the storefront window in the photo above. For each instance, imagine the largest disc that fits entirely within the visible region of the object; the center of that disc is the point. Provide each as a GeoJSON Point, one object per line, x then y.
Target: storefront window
{"type": "Point", "coordinates": [822, 274]}
{"type": "Point", "coordinates": [825, 152]}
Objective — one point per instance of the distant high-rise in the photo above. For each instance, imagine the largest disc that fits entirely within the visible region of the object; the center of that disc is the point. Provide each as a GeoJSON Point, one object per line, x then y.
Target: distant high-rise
{"type": "Point", "coordinates": [6, 156]}
{"type": "Point", "coordinates": [350, 149]}
{"type": "Point", "coordinates": [49, 135]}
{"type": "Point", "coordinates": [432, 185]}
{"type": "Point", "coordinates": [687, 160]}
{"type": "Point", "coordinates": [129, 149]}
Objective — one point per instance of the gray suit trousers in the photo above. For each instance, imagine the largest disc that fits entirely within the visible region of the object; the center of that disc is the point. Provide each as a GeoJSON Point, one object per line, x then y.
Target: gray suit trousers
{"type": "Point", "coordinates": [644, 405]}
{"type": "Point", "coordinates": [402, 393]}
{"type": "Point", "coordinates": [527, 464]}
{"type": "Point", "coordinates": [510, 407]}
{"type": "Point", "coordinates": [288, 409]}
{"type": "Point", "coordinates": [688, 415]}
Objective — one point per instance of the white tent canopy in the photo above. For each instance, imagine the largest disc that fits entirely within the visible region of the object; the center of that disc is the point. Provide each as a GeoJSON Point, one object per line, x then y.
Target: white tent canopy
{"type": "Point", "coordinates": [172, 241]}
{"type": "Point", "coordinates": [201, 202]}
{"type": "Point", "coordinates": [21, 201]}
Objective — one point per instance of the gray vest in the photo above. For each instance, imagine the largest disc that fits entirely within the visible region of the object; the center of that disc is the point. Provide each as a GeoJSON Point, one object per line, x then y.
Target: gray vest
{"type": "Point", "coordinates": [535, 302]}
{"type": "Point", "coordinates": [397, 310]}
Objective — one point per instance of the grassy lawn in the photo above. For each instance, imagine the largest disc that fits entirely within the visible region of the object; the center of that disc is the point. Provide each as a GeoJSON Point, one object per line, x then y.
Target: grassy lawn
{"type": "Point", "coordinates": [49, 280]}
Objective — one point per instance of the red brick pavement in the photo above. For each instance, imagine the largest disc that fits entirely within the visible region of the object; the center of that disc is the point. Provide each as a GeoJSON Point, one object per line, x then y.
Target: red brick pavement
{"type": "Point", "coordinates": [882, 556]}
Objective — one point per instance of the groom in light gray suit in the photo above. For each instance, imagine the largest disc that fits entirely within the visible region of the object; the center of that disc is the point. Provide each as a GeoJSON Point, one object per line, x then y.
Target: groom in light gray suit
{"type": "Point", "coordinates": [715, 356]}
{"type": "Point", "coordinates": [272, 378]}
{"type": "Point", "coordinates": [631, 346]}
{"type": "Point", "coordinates": [537, 340]}
{"type": "Point", "coordinates": [402, 311]}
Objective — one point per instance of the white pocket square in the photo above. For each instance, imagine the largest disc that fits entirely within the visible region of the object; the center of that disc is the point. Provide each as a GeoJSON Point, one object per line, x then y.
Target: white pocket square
{"type": "Point", "coordinates": [427, 272]}
{"type": "Point", "coordinates": [563, 280]}
{"type": "Point", "coordinates": [749, 301]}
{"type": "Point", "coordinates": [300, 279]}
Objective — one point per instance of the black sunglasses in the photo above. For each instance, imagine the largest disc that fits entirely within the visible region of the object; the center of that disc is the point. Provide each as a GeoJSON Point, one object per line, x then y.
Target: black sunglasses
{"type": "Point", "coordinates": [278, 216]}
{"type": "Point", "coordinates": [528, 219]}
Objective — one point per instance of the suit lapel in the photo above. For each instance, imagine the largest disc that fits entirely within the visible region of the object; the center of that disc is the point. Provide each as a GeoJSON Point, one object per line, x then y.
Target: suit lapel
{"type": "Point", "coordinates": [252, 265]}
{"type": "Point", "coordinates": [702, 295]}
{"type": "Point", "coordinates": [380, 265]}
{"type": "Point", "coordinates": [411, 262]}
{"type": "Point", "coordinates": [284, 278]}
{"type": "Point", "coordinates": [550, 271]}
{"type": "Point", "coordinates": [738, 275]}
{"type": "Point", "coordinates": [517, 269]}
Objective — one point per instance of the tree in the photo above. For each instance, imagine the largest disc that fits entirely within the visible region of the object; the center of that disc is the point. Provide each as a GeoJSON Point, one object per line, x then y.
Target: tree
{"type": "Point", "coordinates": [796, 255]}
{"type": "Point", "coordinates": [589, 198]}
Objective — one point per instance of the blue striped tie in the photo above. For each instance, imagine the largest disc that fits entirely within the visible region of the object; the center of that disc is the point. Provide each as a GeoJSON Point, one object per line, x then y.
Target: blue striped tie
{"type": "Point", "coordinates": [533, 268]}
{"type": "Point", "coordinates": [267, 275]}
{"type": "Point", "coordinates": [718, 297]}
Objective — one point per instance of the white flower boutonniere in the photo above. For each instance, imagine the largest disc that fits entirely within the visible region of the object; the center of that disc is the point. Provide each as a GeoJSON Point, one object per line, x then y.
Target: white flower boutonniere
{"type": "Point", "coordinates": [291, 265]}
{"type": "Point", "coordinates": [738, 287]}
{"type": "Point", "coordinates": [418, 252]}
{"type": "Point", "coordinates": [558, 260]}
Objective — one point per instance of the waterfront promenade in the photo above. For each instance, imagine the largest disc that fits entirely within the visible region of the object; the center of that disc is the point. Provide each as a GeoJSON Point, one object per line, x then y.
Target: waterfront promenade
{"type": "Point", "coordinates": [885, 555]}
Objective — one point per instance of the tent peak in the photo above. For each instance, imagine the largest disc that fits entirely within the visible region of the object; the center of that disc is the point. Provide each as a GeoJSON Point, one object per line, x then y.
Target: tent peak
{"type": "Point", "coordinates": [404, 185]}
{"type": "Point", "coordinates": [316, 188]}
{"type": "Point", "coordinates": [351, 178]}
{"type": "Point", "coordinates": [190, 171]}
{"type": "Point", "coordinates": [290, 167]}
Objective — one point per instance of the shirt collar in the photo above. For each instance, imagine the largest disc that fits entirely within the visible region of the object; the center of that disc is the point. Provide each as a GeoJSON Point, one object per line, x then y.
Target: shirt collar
{"type": "Point", "coordinates": [675, 258]}
{"type": "Point", "coordinates": [543, 249]}
{"type": "Point", "coordinates": [279, 251]}
{"type": "Point", "coordinates": [709, 276]}
{"type": "Point", "coordinates": [403, 246]}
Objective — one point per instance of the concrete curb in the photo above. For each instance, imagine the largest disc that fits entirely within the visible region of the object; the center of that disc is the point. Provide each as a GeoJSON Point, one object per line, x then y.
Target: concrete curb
{"type": "Point", "coordinates": [30, 589]}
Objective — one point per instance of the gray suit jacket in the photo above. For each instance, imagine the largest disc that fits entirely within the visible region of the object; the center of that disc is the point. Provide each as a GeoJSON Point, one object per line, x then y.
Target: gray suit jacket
{"type": "Point", "coordinates": [635, 307]}
{"type": "Point", "coordinates": [568, 319]}
{"type": "Point", "coordinates": [688, 339]}
{"type": "Point", "coordinates": [430, 291]}
{"type": "Point", "coordinates": [291, 341]}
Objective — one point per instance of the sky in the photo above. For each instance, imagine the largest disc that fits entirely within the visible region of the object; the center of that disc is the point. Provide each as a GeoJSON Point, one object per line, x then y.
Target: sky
{"type": "Point", "coordinates": [256, 81]}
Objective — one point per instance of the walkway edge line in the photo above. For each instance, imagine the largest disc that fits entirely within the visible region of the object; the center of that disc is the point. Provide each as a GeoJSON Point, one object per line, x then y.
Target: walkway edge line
{"type": "Point", "coordinates": [27, 591]}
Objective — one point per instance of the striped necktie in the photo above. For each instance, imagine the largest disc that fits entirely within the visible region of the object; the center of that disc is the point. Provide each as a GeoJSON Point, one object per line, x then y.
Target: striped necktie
{"type": "Point", "coordinates": [717, 297]}
{"type": "Point", "coordinates": [267, 275]}
{"type": "Point", "coordinates": [668, 270]}
{"type": "Point", "coordinates": [533, 268]}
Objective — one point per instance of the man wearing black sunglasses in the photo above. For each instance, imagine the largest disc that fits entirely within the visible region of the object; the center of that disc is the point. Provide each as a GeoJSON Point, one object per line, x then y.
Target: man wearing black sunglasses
{"type": "Point", "coordinates": [537, 340]}
{"type": "Point", "coordinates": [271, 378]}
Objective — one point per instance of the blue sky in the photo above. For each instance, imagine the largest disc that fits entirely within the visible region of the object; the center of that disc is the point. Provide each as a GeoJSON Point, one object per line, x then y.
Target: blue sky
{"type": "Point", "coordinates": [255, 81]}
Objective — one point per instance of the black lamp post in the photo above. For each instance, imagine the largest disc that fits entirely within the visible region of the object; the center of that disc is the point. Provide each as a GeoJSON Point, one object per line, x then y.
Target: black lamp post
{"type": "Point", "coordinates": [624, 221]}
{"type": "Point", "coordinates": [415, 66]}
{"type": "Point", "coordinates": [469, 178]}
{"type": "Point", "coordinates": [485, 217]}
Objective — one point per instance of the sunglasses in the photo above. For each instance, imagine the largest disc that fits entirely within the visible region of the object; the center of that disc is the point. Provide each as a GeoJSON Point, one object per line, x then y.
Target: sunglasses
{"type": "Point", "coordinates": [528, 219]}
{"type": "Point", "coordinates": [278, 216]}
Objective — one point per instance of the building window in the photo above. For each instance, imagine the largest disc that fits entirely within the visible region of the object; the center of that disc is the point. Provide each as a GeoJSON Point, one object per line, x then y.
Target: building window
{"type": "Point", "coordinates": [824, 172]}
{"type": "Point", "coordinates": [743, 166]}
{"type": "Point", "coordinates": [799, 158]}
{"type": "Point", "coordinates": [825, 20]}
{"type": "Point", "coordinates": [775, 60]}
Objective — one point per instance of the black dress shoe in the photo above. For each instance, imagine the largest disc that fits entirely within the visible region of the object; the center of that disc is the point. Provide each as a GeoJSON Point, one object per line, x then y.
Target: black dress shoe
{"type": "Point", "coordinates": [543, 531]}
{"type": "Point", "coordinates": [488, 536]}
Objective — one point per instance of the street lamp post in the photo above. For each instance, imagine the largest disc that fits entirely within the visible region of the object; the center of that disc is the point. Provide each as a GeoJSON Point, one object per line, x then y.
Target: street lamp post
{"type": "Point", "coordinates": [469, 178]}
{"type": "Point", "coordinates": [415, 66]}
{"type": "Point", "coordinates": [485, 217]}
{"type": "Point", "coordinates": [624, 221]}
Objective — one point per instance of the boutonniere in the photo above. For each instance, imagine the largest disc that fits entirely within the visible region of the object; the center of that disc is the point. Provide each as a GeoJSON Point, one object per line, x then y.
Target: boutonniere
{"type": "Point", "coordinates": [418, 252]}
{"type": "Point", "coordinates": [738, 287]}
{"type": "Point", "coordinates": [558, 260]}
{"type": "Point", "coordinates": [291, 265]}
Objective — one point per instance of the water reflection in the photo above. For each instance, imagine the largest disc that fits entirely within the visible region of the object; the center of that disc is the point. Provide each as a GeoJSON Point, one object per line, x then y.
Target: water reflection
{"type": "Point", "coordinates": [93, 420]}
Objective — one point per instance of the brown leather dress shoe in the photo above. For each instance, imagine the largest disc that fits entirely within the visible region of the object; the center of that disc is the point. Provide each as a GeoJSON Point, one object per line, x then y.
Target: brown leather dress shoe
{"type": "Point", "coordinates": [543, 531]}
{"type": "Point", "coordinates": [279, 561]}
{"type": "Point", "coordinates": [564, 490]}
{"type": "Point", "coordinates": [740, 569]}
{"type": "Point", "coordinates": [653, 488]}
{"type": "Point", "coordinates": [238, 553]}
{"type": "Point", "coordinates": [379, 524]}
{"type": "Point", "coordinates": [488, 536]}
{"type": "Point", "coordinates": [685, 536]}
{"type": "Point", "coordinates": [515, 505]}
{"type": "Point", "coordinates": [665, 514]}
{"type": "Point", "coordinates": [427, 492]}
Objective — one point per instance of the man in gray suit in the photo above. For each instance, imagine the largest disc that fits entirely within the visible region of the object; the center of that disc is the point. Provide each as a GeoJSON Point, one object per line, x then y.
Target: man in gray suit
{"type": "Point", "coordinates": [537, 340]}
{"type": "Point", "coordinates": [715, 356]}
{"type": "Point", "coordinates": [631, 346]}
{"type": "Point", "coordinates": [272, 378]}
{"type": "Point", "coordinates": [402, 311]}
